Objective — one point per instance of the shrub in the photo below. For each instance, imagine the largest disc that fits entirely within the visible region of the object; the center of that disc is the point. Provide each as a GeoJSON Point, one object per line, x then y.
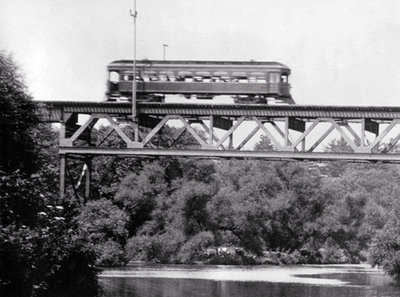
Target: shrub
{"type": "Point", "coordinates": [158, 248]}
{"type": "Point", "coordinates": [195, 248]}
{"type": "Point", "coordinates": [110, 253]}
{"type": "Point", "coordinates": [385, 248]}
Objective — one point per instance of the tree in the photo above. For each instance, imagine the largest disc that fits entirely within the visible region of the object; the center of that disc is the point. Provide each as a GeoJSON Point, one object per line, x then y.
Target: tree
{"type": "Point", "coordinates": [385, 248]}
{"type": "Point", "coordinates": [17, 119]}
{"type": "Point", "coordinates": [40, 254]}
{"type": "Point", "coordinates": [137, 194]}
{"type": "Point", "coordinates": [190, 207]}
{"type": "Point", "coordinates": [105, 226]}
{"type": "Point", "coordinates": [264, 144]}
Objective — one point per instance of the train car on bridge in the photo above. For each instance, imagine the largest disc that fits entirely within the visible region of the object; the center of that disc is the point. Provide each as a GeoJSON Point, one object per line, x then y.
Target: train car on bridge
{"type": "Point", "coordinates": [246, 82]}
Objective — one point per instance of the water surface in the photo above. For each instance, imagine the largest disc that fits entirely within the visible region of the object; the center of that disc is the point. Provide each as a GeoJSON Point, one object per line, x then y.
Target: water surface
{"type": "Point", "coordinates": [241, 281]}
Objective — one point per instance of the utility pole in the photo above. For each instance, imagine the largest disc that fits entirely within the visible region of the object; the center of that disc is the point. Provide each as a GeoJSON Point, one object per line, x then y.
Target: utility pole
{"type": "Point", "coordinates": [134, 110]}
{"type": "Point", "coordinates": [164, 50]}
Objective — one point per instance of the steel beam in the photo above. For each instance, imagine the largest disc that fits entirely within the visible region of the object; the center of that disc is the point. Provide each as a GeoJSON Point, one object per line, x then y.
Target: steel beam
{"type": "Point", "coordinates": [57, 109]}
{"type": "Point", "coordinates": [206, 153]}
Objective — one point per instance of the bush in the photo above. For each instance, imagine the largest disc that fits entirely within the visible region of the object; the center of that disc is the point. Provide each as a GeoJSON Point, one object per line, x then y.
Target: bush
{"type": "Point", "coordinates": [385, 248]}
{"type": "Point", "coordinates": [110, 253]}
{"type": "Point", "coordinates": [195, 248]}
{"type": "Point", "coordinates": [104, 225]}
{"type": "Point", "coordinates": [331, 253]}
{"type": "Point", "coordinates": [45, 261]}
{"type": "Point", "coordinates": [158, 248]}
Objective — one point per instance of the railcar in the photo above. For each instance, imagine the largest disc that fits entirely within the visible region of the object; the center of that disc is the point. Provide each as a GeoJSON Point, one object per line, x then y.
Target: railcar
{"type": "Point", "coordinates": [246, 82]}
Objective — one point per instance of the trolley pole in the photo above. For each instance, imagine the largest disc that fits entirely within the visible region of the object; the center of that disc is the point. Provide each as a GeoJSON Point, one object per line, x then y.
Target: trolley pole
{"type": "Point", "coordinates": [164, 50]}
{"type": "Point", "coordinates": [135, 123]}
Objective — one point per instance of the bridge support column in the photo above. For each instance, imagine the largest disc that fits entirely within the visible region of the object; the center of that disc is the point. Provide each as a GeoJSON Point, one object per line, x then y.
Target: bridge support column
{"type": "Point", "coordinates": [63, 161]}
{"type": "Point", "coordinates": [88, 178]}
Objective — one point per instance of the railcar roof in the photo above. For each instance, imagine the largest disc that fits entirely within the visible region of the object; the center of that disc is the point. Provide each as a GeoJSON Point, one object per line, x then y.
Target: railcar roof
{"type": "Point", "coordinates": [185, 62]}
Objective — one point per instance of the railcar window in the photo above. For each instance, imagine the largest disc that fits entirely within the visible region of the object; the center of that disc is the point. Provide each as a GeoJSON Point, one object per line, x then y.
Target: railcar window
{"type": "Point", "coordinates": [261, 80]}
{"type": "Point", "coordinates": [127, 77]}
{"type": "Point", "coordinates": [153, 78]}
{"type": "Point", "coordinates": [284, 78]}
{"type": "Point", "coordinates": [188, 79]}
{"type": "Point", "coordinates": [163, 77]}
{"type": "Point", "coordinates": [114, 76]}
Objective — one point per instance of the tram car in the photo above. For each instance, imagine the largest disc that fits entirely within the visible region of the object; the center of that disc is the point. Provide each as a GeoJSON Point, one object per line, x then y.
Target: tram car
{"type": "Point", "coordinates": [246, 82]}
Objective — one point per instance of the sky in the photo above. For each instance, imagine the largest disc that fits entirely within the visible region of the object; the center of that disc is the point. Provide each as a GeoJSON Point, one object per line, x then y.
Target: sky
{"type": "Point", "coordinates": [343, 52]}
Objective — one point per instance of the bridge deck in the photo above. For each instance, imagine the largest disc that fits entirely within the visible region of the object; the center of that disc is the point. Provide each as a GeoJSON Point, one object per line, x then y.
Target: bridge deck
{"type": "Point", "coordinates": [54, 109]}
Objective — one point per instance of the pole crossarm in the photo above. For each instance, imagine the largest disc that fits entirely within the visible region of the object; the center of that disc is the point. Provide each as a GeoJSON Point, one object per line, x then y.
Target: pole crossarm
{"type": "Point", "coordinates": [295, 132]}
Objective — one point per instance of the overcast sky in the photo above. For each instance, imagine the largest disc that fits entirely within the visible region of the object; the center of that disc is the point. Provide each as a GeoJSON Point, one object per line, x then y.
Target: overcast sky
{"type": "Point", "coordinates": [342, 52]}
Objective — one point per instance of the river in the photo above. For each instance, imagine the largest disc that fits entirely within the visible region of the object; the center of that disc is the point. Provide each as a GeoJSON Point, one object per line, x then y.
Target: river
{"type": "Point", "coordinates": [247, 281]}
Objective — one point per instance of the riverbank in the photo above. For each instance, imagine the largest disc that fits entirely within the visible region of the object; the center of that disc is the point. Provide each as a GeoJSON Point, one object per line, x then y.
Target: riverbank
{"type": "Point", "coordinates": [238, 256]}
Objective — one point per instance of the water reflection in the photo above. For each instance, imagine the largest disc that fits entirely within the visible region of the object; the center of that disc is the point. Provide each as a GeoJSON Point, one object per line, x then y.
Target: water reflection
{"type": "Point", "coordinates": [255, 281]}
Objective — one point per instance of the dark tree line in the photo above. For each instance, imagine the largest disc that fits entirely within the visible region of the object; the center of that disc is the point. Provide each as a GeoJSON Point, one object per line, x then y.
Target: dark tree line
{"type": "Point", "coordinates": [183, 210]}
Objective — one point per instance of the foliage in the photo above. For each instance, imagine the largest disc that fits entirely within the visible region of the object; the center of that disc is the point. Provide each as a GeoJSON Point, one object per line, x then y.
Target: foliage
{"type": "Point", "coordinates": [104, 225]}
{"type": "Point", "coordinates": [40, 253]}
{"type": "Point", "coordinates": [385, 248]}
{"type": "Point", "coordinates": [264, 144]}
{"type": "Point", "coordinates": [195, 248]}
{"type": "Point", "coordinates": [110, 253]}
{"type": "Point", "coordinates": [159, 248]}
{"type": "Point", "coordinates": [137, 194]}
{"type": "Point", "coordinates": [17, 119]}
{"type": "Point", "coordinates": [19, 201]}
{"type": "Point", "coordinates": [48, 260]}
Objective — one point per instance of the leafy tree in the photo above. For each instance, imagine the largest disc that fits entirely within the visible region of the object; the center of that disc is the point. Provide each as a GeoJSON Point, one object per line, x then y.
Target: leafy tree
{"type": "Point", "coordinates": [195, 248]}
{"type": "Point", "coordinates": [336, 169]}
{"type": "Point", "coordinates": [17, 119]}
{"type": "Point", "coordinates": [48, 260]}
{"type": "Point", "coordinates": [158, 248]}
{"type": "Point", "coordinates": [190, 209]}
{"type": "Point", "coordinates": [385, 248]}
{"type": "Point", "coordinates": [40, 254]}
{"type": "Point", "coordinates": [137, 194]}
{"type": "Point", "coordinates": [264, 144]}
{"type": "Point", "coordinates": [199, 170]}
{"type": "Point", "coordinates": [105, 226]}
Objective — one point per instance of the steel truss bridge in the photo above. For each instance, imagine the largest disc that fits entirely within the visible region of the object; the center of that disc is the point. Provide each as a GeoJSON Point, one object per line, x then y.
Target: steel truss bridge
{"type": "Point", "coordinates": [297, 132]}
